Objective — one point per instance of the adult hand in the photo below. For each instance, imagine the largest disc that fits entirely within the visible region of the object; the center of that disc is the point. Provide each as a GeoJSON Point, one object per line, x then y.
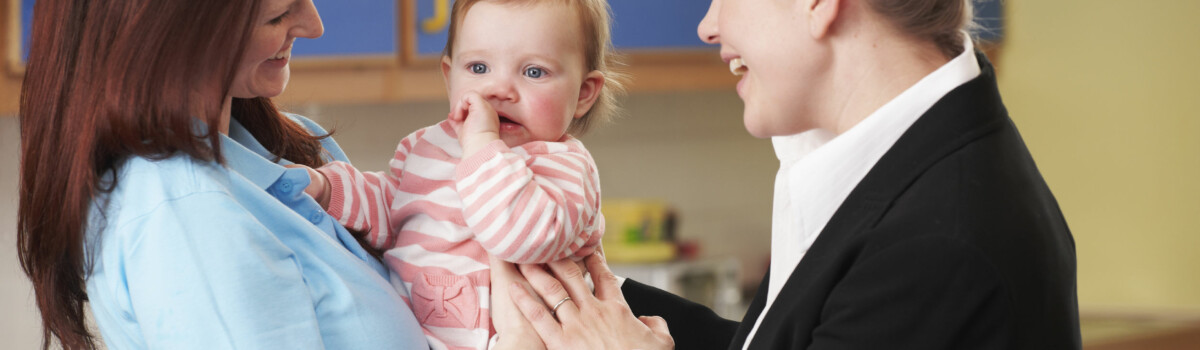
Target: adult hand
{"type": "Point", "coordinates": [584, 321]}
{"type": "Point", "coordinates": [513, 331]}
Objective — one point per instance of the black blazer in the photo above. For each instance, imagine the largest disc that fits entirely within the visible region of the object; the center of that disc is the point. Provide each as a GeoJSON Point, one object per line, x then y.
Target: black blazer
{"type": "Point", "coordinates": [952, 241]}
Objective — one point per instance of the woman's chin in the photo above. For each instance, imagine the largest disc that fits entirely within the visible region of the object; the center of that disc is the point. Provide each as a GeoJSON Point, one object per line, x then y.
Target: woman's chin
{"type": "Point", "coordinates": [267, 91]}
{"type": "Point", "coordinates": [272, 85]}
{"type": "Point", "coordinates": [755, 126]}
{"type": "Point", "coordinates": [758, 133]}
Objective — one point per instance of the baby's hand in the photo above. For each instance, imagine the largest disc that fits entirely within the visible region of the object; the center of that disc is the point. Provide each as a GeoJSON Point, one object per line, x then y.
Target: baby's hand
{"type": "Point", "coordinates": [475, 121]}
{"type": "Point", "coordinates": [318, 186]}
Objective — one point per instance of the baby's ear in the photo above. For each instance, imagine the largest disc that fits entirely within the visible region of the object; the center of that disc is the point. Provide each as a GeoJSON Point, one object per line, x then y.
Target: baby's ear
{"type": "Point", "coordinates": [589, 92]}
{"type": "Point", "coordinates": [446, 73]}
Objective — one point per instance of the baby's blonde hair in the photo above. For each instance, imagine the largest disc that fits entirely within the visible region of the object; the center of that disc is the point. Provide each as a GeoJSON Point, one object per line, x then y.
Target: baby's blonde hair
{"type": "Point", "coordinates": [599, 55]}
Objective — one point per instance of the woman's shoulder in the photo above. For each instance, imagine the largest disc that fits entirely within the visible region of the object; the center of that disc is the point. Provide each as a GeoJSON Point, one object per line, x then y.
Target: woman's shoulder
{"type": "Point", "coordinates": [177, 200]}
{"type": "Point", "coordinates": [175, 174]}
{"type": "Point", "coordinates": [312, 126]}
{"type": "Point", "coordinates": [141, 185]}
{"type": "Point", "coordinates": [330, 145]}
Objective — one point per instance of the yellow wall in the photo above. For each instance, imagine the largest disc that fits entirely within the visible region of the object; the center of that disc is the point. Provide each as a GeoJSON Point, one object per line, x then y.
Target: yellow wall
{"type": "Point", "coordinates": [1107, 95]}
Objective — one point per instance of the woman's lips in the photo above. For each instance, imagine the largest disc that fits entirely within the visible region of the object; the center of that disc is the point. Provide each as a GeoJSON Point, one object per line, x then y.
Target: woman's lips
{"type": "Point", "coordinates": [281, 58]}
{"type": "Point", "coordinates": [277, 63]}
{"type": "Point", "coordinates": [285, 53]}
{"type": "Point", "coordinates": [738, 67]}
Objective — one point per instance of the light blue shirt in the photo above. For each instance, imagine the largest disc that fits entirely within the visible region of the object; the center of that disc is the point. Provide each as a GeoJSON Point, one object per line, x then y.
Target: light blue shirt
{"type": "Point", "coordinates": [190, 254]}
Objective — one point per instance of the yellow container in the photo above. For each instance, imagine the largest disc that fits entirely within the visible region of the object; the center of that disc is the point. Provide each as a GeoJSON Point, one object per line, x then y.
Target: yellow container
{"type": "Point", "coordinates": [638, 230]}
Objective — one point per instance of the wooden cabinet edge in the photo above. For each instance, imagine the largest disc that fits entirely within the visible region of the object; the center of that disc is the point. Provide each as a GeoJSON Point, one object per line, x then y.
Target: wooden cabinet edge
{"type": "Point", "coordinates": [384, 79]}
{"type": "Point", "coordinates": [341, 82]}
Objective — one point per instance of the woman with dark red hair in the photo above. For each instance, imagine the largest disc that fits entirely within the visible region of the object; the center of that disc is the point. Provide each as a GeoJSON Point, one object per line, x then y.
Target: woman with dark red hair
{"type": "Point", "coordinates": [154, 186]}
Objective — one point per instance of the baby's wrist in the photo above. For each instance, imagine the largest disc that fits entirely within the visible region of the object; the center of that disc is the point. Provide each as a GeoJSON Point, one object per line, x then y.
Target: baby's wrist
{"type": "Point", "coordinates": [319, 187]}
{"type": "Point", "coordinates": [326, 192]}
{"type": "Point", "coordinates": [472, 143]}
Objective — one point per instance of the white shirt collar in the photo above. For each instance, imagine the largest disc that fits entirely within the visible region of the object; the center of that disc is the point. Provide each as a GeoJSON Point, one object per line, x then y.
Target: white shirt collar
{"type": "Point", "coordinates": [818, 169]}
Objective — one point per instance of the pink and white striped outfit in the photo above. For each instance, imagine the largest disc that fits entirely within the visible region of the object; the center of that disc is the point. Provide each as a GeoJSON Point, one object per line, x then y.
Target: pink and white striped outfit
{"type": "Point", "coordinates": [437, 216]}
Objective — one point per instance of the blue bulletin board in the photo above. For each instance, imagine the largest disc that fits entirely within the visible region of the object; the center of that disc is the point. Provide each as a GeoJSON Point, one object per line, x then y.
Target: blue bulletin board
{"type": "Point", "coordinates": [353, 28]}
{"type": "Point", "coordinates": [649, 24]}
{"type": "Point", "coordinates": [417, 28]}
{"type": "Point", "coordinates": [657, 24]}
{"type": "Point", "coordinates": [637, 24]}
{"type": "Point", "coordinates": [429, 28]}
{"type": "Point", "coordinates": [26, 27]}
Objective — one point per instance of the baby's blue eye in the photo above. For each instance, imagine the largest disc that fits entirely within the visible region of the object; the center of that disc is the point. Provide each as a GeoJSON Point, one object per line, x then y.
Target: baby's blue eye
{"type": "Point", "coordinates": [479, 68]}
{"type": "Point", "coordinates": [534, 72]}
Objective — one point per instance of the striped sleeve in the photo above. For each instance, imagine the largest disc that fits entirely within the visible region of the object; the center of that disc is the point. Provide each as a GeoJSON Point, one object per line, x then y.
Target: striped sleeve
{"type": "Point", "coordinates": [533, 204]}
{"type": "Point", "coordinates": [360, 200]}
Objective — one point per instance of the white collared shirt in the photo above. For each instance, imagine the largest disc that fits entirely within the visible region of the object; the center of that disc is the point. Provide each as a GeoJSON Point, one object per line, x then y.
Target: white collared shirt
{"type": "Point", "coordinates": [818, 169]}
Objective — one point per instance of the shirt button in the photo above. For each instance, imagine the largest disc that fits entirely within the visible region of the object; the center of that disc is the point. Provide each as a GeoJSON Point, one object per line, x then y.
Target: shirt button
{"type": "Point", "coordinates": [285, 186]}
{"type": "Point", "coordinates": [316, 216]}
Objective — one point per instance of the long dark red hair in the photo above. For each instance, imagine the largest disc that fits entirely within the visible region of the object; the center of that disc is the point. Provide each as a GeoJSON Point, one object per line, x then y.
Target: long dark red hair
{"type": "Point", "coordinates": [108, 80]}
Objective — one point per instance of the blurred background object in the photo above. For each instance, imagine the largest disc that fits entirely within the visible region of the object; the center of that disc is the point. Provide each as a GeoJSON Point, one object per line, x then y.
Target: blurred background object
{"type": "Point", "coordinates": [638, 231]}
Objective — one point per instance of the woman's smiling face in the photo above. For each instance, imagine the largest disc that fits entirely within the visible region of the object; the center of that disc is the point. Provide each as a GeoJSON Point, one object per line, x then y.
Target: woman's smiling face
{"type": "Point", "coordinates": [264, 70]}
{"type": "Point", "coordinates": [768, 44]}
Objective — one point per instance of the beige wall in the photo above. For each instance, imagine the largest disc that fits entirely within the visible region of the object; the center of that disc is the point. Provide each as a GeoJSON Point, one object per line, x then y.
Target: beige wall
{"type": "Point", "coordinates": [19, 323]}
{"type": "Point", "coordinates": [1106, 94]}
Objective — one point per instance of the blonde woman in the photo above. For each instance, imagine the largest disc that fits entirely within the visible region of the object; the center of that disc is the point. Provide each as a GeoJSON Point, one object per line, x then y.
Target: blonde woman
{"type": "Point", "coordinates": [908, 213]}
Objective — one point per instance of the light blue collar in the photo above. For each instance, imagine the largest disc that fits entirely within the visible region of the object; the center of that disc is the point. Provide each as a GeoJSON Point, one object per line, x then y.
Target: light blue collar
{"type": "Point", "coordinates": [246, 156]}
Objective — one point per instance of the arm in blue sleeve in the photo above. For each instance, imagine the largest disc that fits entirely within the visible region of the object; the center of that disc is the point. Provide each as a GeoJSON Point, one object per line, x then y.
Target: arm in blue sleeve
{"type": "Point", "coordinates": [203, 273]}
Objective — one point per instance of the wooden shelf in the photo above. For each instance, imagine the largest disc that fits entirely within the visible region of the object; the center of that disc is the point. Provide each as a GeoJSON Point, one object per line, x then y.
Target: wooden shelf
{"type": "Point", "coordinates": [402, 77]}
{"type": "Point", "coordinates": [384, 79]}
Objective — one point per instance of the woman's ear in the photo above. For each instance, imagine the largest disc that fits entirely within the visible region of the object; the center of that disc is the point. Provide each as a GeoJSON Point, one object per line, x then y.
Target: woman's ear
{"type": "Point", "coordinates": [589, 92]}
{"type": "Point", "coordinates": [821, 15]}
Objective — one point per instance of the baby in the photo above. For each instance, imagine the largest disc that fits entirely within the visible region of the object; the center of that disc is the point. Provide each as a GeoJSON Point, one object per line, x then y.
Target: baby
{"type": "Point", "coordinates": [502, 175]}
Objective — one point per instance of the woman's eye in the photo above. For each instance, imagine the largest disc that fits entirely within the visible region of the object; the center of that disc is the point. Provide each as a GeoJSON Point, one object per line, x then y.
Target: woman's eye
{"type": "Point", "coordinates": [479, 68]}
{"type": "Point", "coordinates": [278, 20]}
{"type": "Point", "coordinates": [534, 72]}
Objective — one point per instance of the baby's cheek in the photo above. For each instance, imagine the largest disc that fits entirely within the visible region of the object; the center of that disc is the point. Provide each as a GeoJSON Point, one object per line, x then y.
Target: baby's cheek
{"type": "Point", "coordinates": [546, 107]}
{"type": "Point", "coordinates": [551, 116]}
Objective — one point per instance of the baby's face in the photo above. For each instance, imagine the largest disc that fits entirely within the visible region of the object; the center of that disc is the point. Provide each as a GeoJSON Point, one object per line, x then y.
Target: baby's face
{"type": "Point", "coordinates": [527, 61]}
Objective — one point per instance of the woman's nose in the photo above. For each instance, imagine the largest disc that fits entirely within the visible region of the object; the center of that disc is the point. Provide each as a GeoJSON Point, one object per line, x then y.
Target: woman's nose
{"type": "Point", "coordinates": [310, 25]}
{"type": "Point", "coordinates": [707, 29]}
